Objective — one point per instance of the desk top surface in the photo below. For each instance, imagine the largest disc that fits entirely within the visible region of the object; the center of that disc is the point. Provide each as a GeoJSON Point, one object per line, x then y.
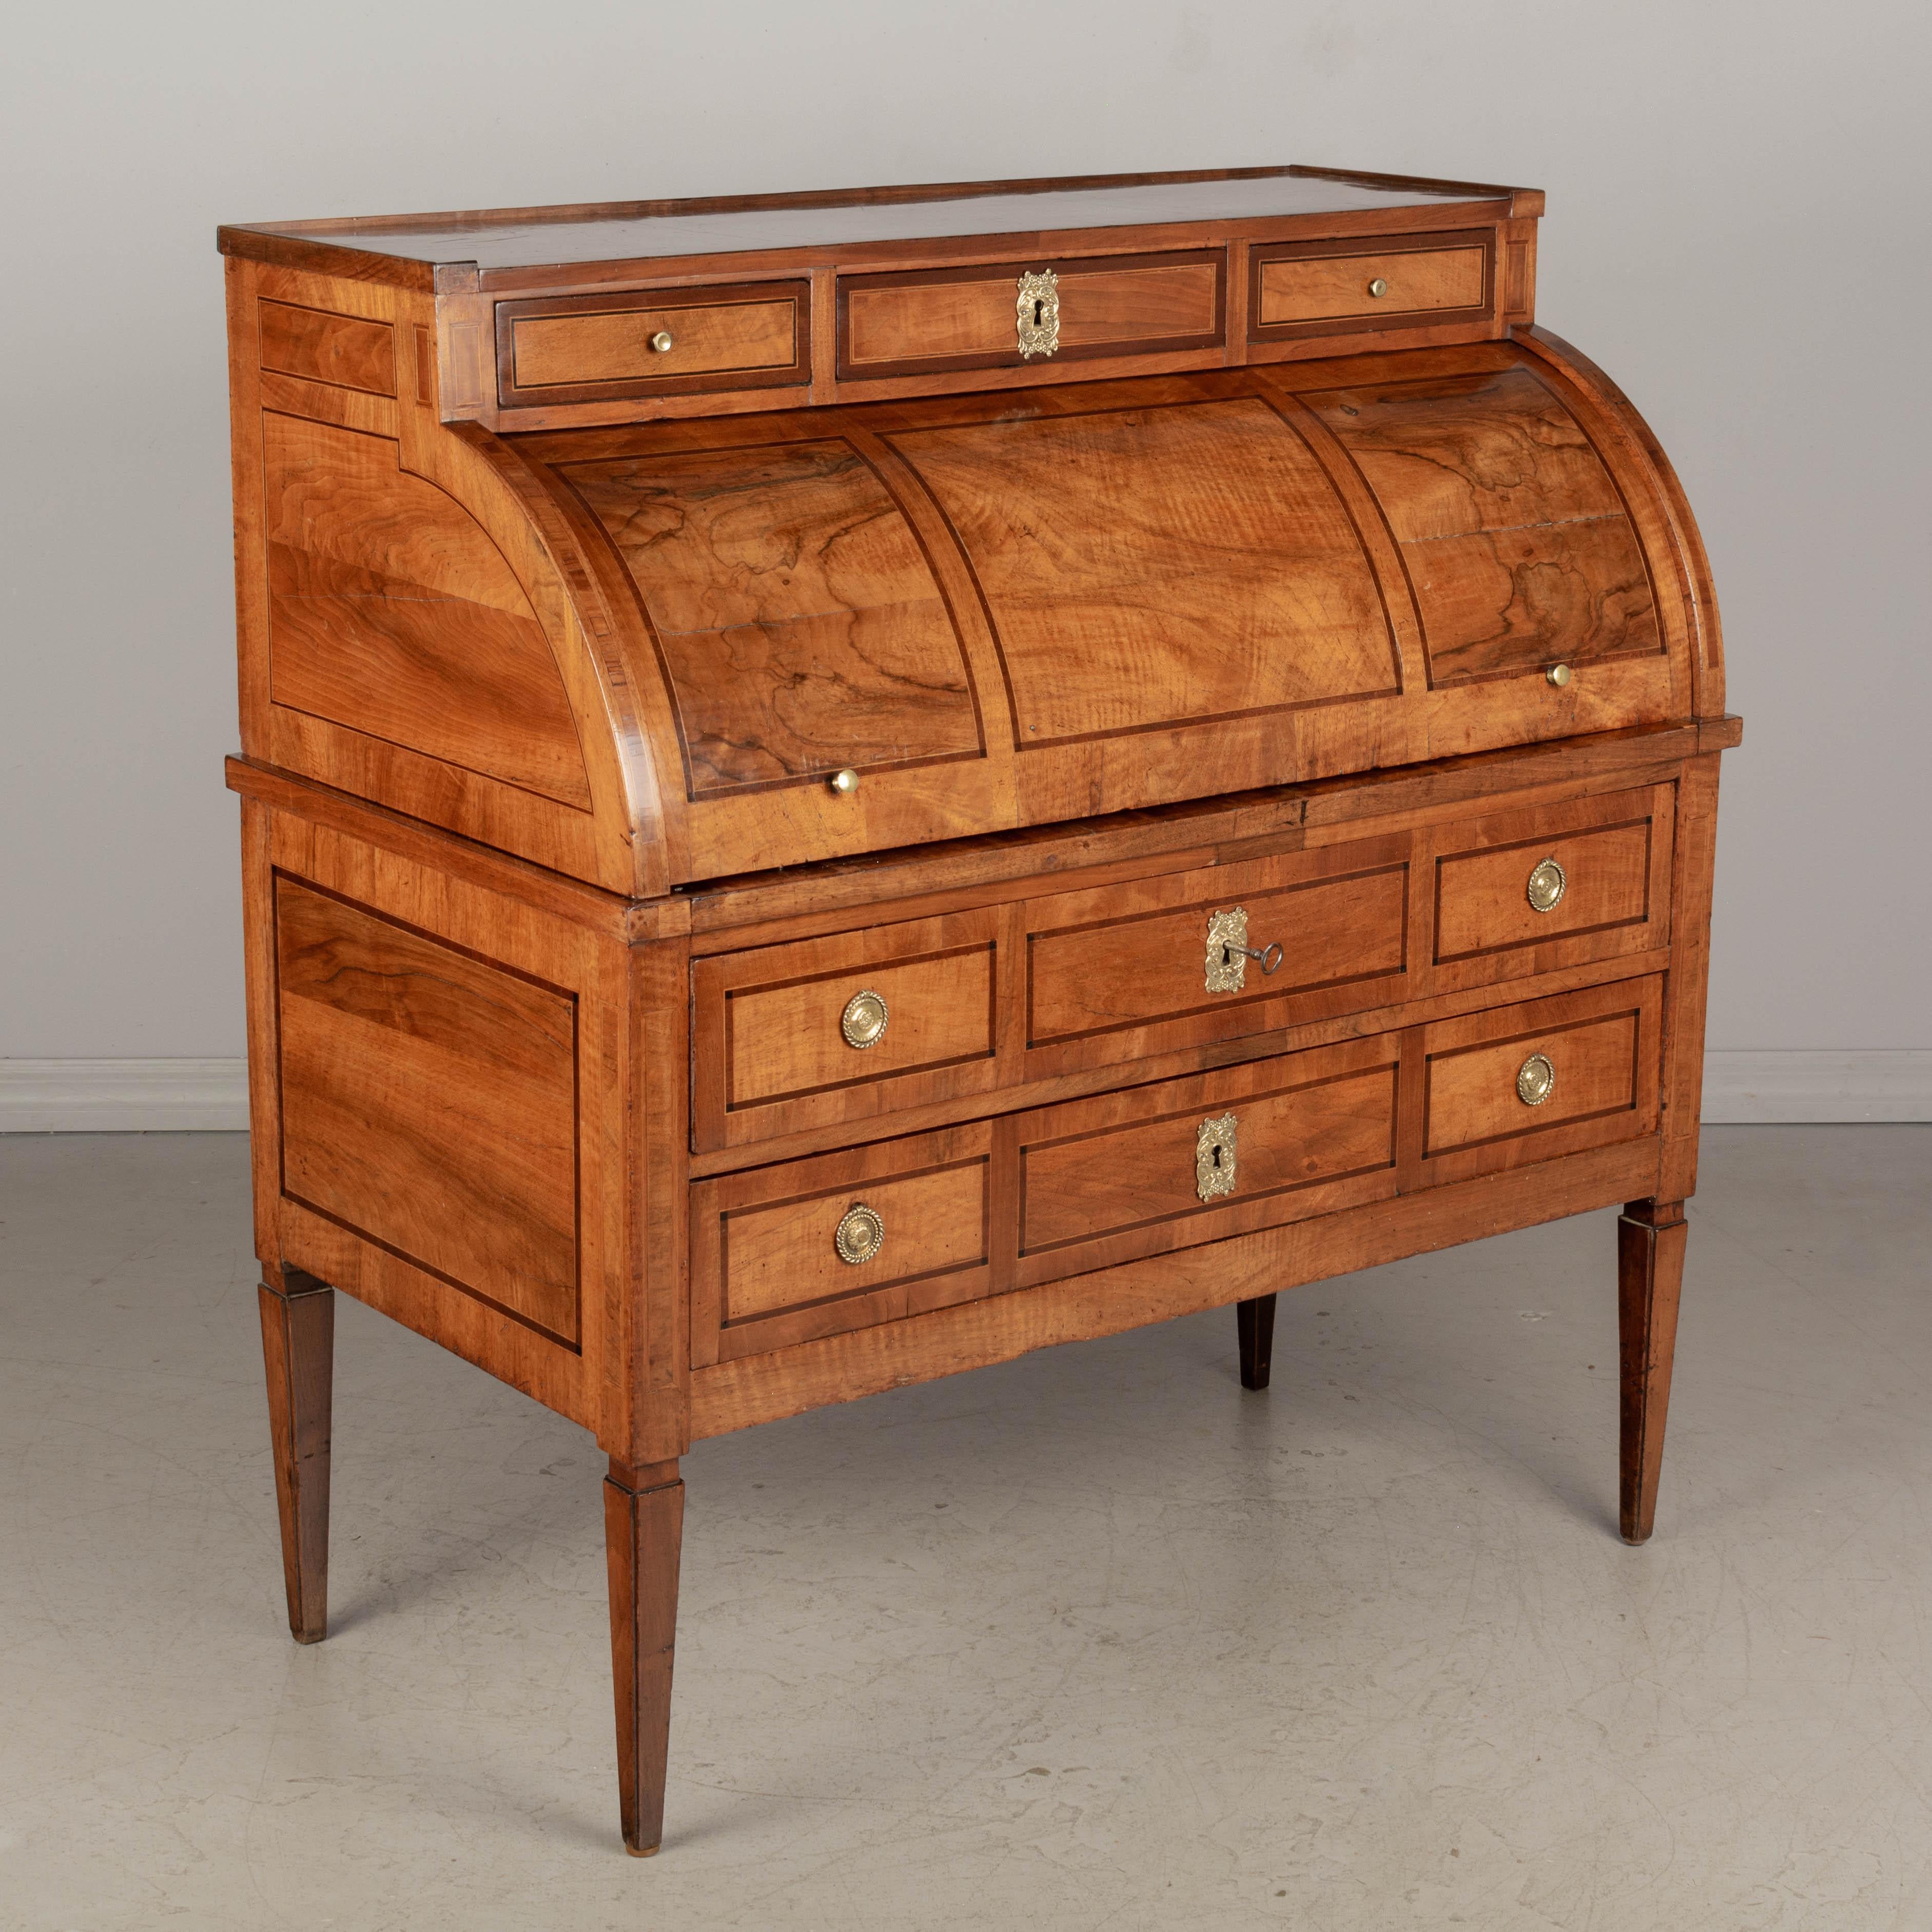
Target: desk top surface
{"type": "Point", "coordinates": [526, 238]}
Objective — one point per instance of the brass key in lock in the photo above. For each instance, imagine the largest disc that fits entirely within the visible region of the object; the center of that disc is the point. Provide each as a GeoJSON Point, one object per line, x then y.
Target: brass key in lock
{"type": "Point", "coordinates": [1228, 952]}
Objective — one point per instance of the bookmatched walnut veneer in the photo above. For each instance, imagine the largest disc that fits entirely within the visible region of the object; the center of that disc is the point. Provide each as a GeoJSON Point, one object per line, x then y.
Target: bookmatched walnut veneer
{"type": "Point", "coordinates": [837, 787]}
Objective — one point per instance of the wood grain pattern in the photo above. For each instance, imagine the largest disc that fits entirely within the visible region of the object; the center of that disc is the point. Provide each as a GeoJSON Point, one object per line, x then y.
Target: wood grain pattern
{"type": "Point", "coordinates": [1515, 538]}
{"type": "Point", "coordinates": [345, 351]}
{"type": "Point", "coordinates": [801, 629]}
{"type": "Point", "coordinates": [429, 1104]}
{"type": "Point", "coordinates": [1321, 288]}
{"type": "Point", "coordinates": [298, 1354]}
{"type": "Point", "coordinates": [390, 613]}
{"type": "Point", "coordinates": [1229, 579]}
{"type": "Point", "coordinates": [1650, 1238]}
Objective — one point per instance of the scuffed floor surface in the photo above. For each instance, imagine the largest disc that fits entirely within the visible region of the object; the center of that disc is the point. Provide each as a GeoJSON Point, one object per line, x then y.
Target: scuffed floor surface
{"type": "Point", "coordinates": [1092, 1640]}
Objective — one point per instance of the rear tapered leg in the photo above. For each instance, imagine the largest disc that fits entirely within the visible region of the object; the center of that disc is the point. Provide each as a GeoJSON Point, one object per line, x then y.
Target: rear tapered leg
{"type": "Point", "coordinates": [1254, 1325]}
{"type": "Point", "coordinates": [644, 1530]}
{"type": "Point", "coordinates": [299, 1353]}
{"type": "Point", "coordinates": [1650, 1236]}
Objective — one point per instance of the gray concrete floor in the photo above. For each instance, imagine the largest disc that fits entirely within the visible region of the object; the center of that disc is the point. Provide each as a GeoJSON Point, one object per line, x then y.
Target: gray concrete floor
{"type": "Point", "coordinates": [1093, 1640]}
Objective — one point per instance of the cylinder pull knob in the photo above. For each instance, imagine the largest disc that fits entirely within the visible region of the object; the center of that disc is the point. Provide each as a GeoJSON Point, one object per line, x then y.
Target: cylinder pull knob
{"type": "Point", "coordinates": [664, 342]}
{"type": "Point", "coordinates": [845, 783]}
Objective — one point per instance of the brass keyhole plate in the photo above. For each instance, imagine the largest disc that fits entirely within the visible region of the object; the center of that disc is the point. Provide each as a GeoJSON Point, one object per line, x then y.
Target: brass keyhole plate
{"type": "Point", "coordinates": [1037, 311]}
{"type": "Point", "coordinates": [1214, 1155]}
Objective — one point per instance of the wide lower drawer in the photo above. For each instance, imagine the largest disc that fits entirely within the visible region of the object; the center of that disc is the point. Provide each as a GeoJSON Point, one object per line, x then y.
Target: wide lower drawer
{"type": "Point", "coordinates": [1154, 1168]}
{"type": "Point", "coordinates": [1531, 1082]}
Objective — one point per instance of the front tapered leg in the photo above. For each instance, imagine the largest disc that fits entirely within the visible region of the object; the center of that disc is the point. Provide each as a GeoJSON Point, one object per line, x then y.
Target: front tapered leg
{"type": "Point", "coordinates": [1254, 1328]}
{"type": "Point", "coordinates": [643, 1529]}
{"type": "Point", "coordinates": [1650, 1236]}
{"type": "Point", "coordinates": [299, 1353]}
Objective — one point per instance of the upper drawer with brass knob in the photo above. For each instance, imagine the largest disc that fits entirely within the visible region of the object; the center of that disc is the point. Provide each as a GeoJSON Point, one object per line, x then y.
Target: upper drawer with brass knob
{"type": "Point", "coordinates": [657, 342]}
{"type": "Point", "coordinates": [826, 1031]}
{"type": "Point", "coordinates": [1401, 281]}
{"type": "Point", "coordinates": [1546, 1077]}
{"type": "Point", "coordinates": [1030, 314]}
{"type": "Point", "coordinates": [1554, 886]}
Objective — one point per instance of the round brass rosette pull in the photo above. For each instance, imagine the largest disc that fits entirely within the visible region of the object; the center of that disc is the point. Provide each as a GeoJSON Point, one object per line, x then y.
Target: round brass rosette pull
{"type": "Point", "coordinates": [863, 1021]}
{"type": "Point", "coordinates": [1535, 1080]}
{"type": "Point", "coordinates": [861, 1235]}
{"type": "Point", "coordinates": [1546, 883]}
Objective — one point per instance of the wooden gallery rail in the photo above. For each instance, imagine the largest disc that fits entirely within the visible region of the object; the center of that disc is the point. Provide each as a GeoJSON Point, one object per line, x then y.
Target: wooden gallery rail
{"type": "Point", "coordinates": [836, 788]}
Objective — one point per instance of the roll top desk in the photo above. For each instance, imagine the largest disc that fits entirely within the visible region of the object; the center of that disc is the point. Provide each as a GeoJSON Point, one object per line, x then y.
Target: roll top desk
{"type": "Point", "coordinates": [837, 787]}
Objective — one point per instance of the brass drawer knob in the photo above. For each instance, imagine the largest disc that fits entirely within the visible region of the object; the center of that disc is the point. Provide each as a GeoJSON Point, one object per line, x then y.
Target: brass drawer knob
{"type": "Point", "coordinates": [845, 783]}
{"type": "Point", "coordinates": [1559, 675]}
{"type": "Point", "coordinates": [1214, 1151]}
{"type": "Point", "coordinates": [664, 342]}
{"type": "Point", "coordinates": [1546, 883]}
{"type": "Point", "coordinates": [1228, 952]}
{"type": "Point", "coordinates": [860, 1235]}
{"type": "Point", "coordinates": [1378, 288]}
{"type": "Point", "coordinates": [1535, 1080]}
{"type": "Point", "coordinates": [863, 1021]}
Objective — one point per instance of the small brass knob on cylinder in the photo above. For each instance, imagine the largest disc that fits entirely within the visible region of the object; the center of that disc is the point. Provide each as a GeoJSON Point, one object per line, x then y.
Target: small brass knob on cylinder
{"type": "Point", "coordinates": [1559, 675]}
{"type": "Point", "coordinates": [664, 341]}
{"type": "Point", "coordinates": [1378, 288]}
{"type": "Point", "coordinates": [845, 783]}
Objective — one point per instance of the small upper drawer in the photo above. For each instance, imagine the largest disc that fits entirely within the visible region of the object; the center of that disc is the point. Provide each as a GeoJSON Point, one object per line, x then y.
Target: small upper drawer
{"type": "Point", "coordinates": [587, 348]}
{"type": "Point", "coordinates": [842, 1028]}
{"type": "Point", "coordinates": [1550, 887]}
{"type": "Point", "coordinates": [1547, 1077]}
{"type": "Point", "coordinates": [1304, 288]}
{"type": "Point", "coordinates": [939, 319]}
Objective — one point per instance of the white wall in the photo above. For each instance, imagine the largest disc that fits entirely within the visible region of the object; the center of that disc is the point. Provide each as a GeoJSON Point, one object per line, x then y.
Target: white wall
{"type": "Point", "coordinates": [1737, 230]}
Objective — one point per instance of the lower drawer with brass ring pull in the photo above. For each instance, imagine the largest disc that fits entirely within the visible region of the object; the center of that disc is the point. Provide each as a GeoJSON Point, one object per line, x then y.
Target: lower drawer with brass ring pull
{"type": "Point", "coordinates": [785, 1254]}
{"type": "Point", "coordinates": [1528, 1082]}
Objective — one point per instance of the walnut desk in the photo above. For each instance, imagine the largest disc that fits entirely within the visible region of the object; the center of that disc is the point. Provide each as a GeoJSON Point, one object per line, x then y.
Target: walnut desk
{"type": "Point", "coordinates": [836, 788]}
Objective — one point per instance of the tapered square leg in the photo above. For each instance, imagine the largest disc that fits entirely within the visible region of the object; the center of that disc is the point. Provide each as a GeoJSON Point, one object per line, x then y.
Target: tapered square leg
{"type": "Point", "coordinates": [1254, 1326]}
{"type": "Point", "coordinates": [298, 1354]}
{"type": "Point", "coordinates": [643, 1530]}
{"type": "Point", "coordinates": [1650, 1236]}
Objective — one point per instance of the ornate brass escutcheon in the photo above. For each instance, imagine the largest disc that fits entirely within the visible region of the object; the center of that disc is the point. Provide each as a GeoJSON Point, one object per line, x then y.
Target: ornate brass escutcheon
{"type": "Point", "coordinates": [860, 1233]}
{"type": "Point", "coordinates": [1546, 886]}
{"type": "Point", "coordinates": [1214, 1156]}
{"type": "Point", "coordinates": [863, 1021]}
{"type": "Point", "coordinates": [1228, 952]}
{"type": "Point", "coordinates": [1037, 309]}
{"type": "Point", "coordinates": [1535, 1080]}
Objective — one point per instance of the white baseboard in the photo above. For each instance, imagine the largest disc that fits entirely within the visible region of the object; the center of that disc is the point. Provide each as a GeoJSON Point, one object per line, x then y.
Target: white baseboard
{"type": "Point", "coordinates": [103, 1096]}
{"type": "Point", "coordinates": [123, 1096]}
{"type": "Point", "coordinates": [1879, 1084]}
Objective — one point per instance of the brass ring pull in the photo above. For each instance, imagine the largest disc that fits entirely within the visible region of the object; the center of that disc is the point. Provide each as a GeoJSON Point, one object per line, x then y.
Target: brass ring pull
{"type": "Point", "coordinates": [860, 1235]}
{"type": "Point", "coordinates": [863, 1021]}
{"type": "Point", "coordinates": [1547, 884]}
{"type": "Point", "coordinates": [1535, 1080]}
